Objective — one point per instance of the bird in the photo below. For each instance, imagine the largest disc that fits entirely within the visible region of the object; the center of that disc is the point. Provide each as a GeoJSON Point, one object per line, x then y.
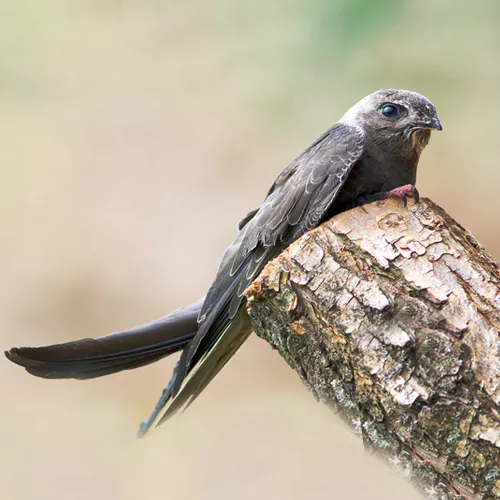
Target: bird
{"type": "Point", "coordinates": [371, 153]}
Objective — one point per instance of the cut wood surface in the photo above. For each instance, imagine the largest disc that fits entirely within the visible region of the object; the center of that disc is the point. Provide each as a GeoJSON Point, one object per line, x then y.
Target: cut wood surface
{"type": "Point", "coordinates": [391, 316]}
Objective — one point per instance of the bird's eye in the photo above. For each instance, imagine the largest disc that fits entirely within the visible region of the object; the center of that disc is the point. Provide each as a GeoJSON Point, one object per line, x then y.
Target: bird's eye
{"type": "Point", "coordinates": [389, 111]}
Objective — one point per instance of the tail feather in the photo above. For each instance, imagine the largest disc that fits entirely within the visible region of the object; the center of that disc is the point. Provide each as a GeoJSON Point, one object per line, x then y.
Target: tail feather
{"type": "Point", "coordinates": [89, 358]}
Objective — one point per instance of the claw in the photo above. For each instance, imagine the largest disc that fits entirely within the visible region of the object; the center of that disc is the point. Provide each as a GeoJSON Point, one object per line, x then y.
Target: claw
{"type": "Point", "coordinates": [416, 194]}
{"type": "Point", "coordinates": [404, 192]}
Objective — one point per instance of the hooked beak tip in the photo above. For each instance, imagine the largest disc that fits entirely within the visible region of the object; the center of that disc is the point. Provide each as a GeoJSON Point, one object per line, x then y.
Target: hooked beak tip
{"type": "Point", "coordinates": [435, 124]}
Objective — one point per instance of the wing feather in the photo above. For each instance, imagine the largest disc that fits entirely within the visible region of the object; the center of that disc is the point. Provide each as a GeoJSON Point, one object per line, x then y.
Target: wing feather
{"type": "Point", "coordinates": [296, 202]}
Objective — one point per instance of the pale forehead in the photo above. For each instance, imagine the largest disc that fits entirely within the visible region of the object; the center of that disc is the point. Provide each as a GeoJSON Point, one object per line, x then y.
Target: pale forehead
{"type": "Point", "coordinates": [403, 97]}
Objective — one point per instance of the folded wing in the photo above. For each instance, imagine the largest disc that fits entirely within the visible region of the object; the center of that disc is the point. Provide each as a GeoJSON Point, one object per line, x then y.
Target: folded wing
{"type": "Point", "coordinates": [296, 202]}
{"type": "Point", "coordinates": [89, 358]}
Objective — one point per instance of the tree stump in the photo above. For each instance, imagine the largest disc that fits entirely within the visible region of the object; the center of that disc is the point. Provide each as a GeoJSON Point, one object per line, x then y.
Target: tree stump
{"type": "Point", "coordinates": [391, 316]}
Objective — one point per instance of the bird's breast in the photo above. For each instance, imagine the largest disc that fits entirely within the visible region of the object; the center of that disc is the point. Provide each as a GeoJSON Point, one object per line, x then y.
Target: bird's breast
{"type": "Point", "coordinates": [374, 174]}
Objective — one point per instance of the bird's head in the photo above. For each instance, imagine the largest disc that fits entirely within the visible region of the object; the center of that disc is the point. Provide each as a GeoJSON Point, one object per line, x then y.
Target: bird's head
{"type": "Point", "coordinates": [401, 118]}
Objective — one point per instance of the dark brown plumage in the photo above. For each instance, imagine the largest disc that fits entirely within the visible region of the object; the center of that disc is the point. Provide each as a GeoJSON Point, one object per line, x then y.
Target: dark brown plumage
{"type": "Point", "coordinates": [371, 152]}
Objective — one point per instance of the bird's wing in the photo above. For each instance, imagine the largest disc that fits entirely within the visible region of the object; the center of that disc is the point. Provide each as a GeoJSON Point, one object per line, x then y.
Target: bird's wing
{"type": "Point", "coordinates": [89, 358]}
{"type": "Point", "coordinates": [295, 203]}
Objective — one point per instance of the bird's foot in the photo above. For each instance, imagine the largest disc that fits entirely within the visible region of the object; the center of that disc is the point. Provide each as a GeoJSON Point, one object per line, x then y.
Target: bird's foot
{"type": "Point", "coordinates": [401, 193]}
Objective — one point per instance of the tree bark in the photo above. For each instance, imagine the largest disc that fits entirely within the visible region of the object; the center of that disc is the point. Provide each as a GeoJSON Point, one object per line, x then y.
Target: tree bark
{"type": "Point", "coordinates": [391, 316]}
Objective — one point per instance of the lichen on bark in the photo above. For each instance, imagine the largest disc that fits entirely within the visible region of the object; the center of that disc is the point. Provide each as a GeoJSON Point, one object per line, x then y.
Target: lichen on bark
{"type": "Point", "coordinates": [391, 316]}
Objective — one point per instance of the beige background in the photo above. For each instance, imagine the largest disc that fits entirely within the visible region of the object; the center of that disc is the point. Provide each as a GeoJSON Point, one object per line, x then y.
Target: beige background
{"type": "Point", "coordinates": [133, 137]}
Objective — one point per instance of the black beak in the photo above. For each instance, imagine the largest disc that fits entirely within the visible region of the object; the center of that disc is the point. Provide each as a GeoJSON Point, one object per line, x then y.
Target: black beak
{"type": "Point", "coordinates": [435, 124]}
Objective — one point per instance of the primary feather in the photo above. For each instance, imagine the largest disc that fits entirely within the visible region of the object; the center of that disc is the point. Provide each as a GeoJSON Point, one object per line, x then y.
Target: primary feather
{"type": "Point", "coordinates": [295, 203]}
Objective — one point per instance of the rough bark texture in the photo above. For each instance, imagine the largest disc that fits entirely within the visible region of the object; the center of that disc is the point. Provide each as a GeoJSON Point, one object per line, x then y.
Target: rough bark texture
{"type": "Point", "coordinates": [391, 315]}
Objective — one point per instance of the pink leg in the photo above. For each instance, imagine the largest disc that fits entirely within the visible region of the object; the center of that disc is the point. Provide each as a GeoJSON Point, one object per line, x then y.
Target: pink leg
{"type": "Point", "coordinates": [403, 193]}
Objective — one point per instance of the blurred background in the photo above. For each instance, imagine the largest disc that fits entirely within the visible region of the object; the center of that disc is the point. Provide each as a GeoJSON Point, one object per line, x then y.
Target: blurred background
{"type": "Point", "coordinates": [133, 137]}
